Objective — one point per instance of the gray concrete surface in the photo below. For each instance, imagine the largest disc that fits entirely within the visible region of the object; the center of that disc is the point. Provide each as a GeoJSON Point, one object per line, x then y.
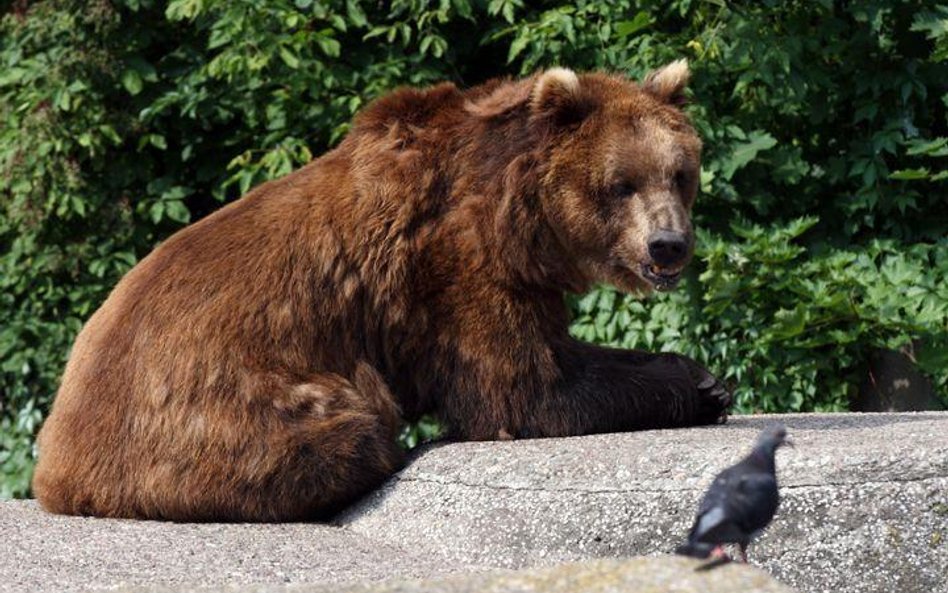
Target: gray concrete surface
{"type": "Point", "coordinates": [641, 575]}
{"type": "Point", "coordinates": [663, 574]}
{"type": "Point", "coordinates": [45, 553]}
{"type": "Point", "coordinates": [865, 499]}
{"type": "Point", "coordinates": [865, 508]}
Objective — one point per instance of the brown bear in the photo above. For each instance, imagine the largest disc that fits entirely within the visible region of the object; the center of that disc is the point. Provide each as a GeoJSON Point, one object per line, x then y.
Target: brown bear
{"type": "Point", "coordinates": [257, 365]}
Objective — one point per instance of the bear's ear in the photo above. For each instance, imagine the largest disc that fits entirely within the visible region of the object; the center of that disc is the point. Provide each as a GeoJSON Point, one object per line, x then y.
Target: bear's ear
{"type": "Point", "coordinates": [667, 84]}
{"type": "Point", "coordinates": [557, 96]}
{"type": "Point", "coordinates": [504, 97]}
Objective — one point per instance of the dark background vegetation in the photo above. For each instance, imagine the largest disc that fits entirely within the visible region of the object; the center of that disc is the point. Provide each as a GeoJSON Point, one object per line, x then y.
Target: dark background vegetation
{"type": "Point", "coordinates": [822, 222]}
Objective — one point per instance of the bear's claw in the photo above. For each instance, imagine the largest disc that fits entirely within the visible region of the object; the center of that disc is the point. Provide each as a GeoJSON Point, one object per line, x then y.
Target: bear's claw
{"type": "Point", "coordinates": [714, 398]}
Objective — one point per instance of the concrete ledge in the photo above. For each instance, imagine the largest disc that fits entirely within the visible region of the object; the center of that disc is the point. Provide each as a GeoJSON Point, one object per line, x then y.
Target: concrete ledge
{"type": "Point", "coordinates": [642, 575]}
{"type": "Point", "coordinates": [865, 499]}
{"type": "Point", "coordinates": [865, 508]}
{"type": "Point", "coordinates": [45, 553]}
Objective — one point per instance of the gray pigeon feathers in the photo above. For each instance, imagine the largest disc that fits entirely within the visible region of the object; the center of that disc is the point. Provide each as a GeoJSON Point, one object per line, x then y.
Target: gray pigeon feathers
{"type": "Point", "coordinates": [740, 502]}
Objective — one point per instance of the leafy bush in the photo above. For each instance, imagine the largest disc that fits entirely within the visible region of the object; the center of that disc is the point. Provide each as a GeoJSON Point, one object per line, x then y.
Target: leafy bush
{"type": "Point", "coordinates": [789, 329]}
{"type": "Point", "coordinates": [823, 216]}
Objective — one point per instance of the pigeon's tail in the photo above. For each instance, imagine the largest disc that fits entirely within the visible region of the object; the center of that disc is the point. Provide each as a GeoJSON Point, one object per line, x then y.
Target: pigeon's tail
{"type": "Point", "coordinates": [695, 549]}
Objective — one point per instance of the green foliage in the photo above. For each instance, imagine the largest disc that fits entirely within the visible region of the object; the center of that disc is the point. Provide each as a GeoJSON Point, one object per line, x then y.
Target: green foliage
{"type": "Point", "coordinates": [425, 430]}
{"type": "Point", "coordinates": [824, 213]}
{"type": "Point", "coordinates": [788, 327]}
{"type": "Point", "coordinates": [843, 124]}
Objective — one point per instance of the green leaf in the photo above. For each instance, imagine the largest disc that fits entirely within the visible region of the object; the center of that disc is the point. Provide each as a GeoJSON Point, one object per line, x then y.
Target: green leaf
{"type": "Point", "coordinates": [508, 12]}
{"type": "Point", "coordinates": [463, 8]}
{"type": "Point", "coordinates": [355, 13]}
{"type": "Point", "coordinates": [330, 46]}
{"type": "Point", "coordinates": [377, 32]}
{"type": "Point", "coordinates": [132, 81]}
{"type": "Point", "coordinates": [910, 174]}
{"type": "Point", "coordinates": [743, 153]}
{"type": "Point", "coordinates": [158, 141]}
{"type": "Point", "coordinates": [289, 58]}
{"type": "Point", "coordinates": [177, 211]}
{"type": "Point", "coordinates": [183, 9]}
{"type": "Point", "coordinates": [145, 70]}
{"type": "Point", "coordinates": [626, 28]}
{"type": "Point", "coordinates": [109, 132]}
{"type": "Point", "coordinates": [157, 211]}
{"type": "Point", "coordinates": [518, 45]}
{"type": "Point", "coordinates": [936, 147]}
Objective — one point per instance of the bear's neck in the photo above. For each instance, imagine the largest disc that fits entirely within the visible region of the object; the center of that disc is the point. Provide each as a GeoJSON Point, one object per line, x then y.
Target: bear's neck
{"type": "Point", "coordinates": [454, 188]}
{"type": "Point", "coordinates": [416, 217]}
{"type": "Point", "coordinates": [505, 173]}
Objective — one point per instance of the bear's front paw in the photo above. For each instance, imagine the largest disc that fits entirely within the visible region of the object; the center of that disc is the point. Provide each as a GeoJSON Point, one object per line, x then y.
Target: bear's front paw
{"type": "Point", "coordinates": [714, 398]}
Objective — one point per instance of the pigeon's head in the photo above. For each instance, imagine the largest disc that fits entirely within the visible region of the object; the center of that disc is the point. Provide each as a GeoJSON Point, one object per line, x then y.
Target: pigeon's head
{"type": "Point", "coordinates": [773, 437]}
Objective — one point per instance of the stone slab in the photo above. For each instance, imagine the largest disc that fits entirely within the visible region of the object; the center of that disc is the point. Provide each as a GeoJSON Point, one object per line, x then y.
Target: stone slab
{"type": "Point", "coordinates": [864, 510]}
{"type": "Point", "coordinates": [44, 553]}
{"type": "Point", "coordinates": [666, 574]}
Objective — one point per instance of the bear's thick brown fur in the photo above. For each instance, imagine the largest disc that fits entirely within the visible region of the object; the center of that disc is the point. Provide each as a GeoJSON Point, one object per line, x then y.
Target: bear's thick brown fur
{"type": "Point", "coordinates": [257, 365]}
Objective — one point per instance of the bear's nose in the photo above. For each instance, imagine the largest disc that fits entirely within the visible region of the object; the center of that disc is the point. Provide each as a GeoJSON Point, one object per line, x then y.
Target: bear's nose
{"type": "Point", "coordinates": [667, 248]}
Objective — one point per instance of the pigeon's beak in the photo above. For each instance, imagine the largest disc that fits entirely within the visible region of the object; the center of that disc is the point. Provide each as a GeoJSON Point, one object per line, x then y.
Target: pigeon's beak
{"type": "Point", "coordinates": [788, 443]}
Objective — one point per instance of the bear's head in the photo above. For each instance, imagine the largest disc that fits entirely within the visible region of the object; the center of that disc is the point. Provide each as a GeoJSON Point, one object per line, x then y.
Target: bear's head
{"type": "Point", "coordinates": [622, 173]}
{"type": "Point", "coordinates": [616, 171]}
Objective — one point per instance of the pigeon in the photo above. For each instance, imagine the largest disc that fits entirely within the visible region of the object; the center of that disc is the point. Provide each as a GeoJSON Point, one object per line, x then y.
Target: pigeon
{"type": "Point", "coordinates": [740, 502]}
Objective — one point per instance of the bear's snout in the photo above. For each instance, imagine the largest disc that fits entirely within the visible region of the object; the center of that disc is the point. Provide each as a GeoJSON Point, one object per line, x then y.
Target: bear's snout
{"type": "Point", "coordinates": [668, 249]}
{"type": "Point", "coordinates": [668, 252]}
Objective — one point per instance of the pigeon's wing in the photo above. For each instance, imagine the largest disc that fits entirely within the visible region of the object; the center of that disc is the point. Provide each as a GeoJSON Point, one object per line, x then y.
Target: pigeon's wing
{"type": "Point", "coordinates": [719, 490]}
{"type": "Point", "coordinates": [754, 501]}
{"type": "Point", "coordinates": [716, 527]}
{"type": "Point", "coordinates": [738, 504]}
{"type": "Point", "coordinates": [712, 516]}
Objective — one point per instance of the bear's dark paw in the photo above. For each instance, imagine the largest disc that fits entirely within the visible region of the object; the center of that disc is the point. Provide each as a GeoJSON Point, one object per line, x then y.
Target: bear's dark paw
{"type": "Point", "coordinates": [714, 398]}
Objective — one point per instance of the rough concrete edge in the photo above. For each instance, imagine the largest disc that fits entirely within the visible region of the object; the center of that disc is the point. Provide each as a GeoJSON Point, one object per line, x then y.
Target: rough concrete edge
{"type": "Point", "coordinates": [642, 574]}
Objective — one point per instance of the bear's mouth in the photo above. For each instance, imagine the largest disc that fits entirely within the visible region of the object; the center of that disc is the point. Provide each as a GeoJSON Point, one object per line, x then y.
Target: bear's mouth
{"type": "Point", "coordinates": [660, 278]}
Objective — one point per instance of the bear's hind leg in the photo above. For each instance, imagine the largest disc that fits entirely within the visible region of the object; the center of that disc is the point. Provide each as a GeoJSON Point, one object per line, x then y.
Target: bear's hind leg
{"type": "Point", "coordinates": [339, 453]}
{"type": "Point", "coordinates": [302, 454]}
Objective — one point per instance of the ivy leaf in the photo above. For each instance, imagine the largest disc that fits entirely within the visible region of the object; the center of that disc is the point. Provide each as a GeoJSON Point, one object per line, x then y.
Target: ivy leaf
{"type": "Point", "coordinates": [508, 12]}
{"type": "Point", "coordinates": [518, 45]}
{"type": "Point", "coordinates": [641, 20]}
{"type": "Point", "coordinates": [157, 211]}
{"type": "Point", "coordinates": [936, 147]}
{"type": "Point", "coordinates": [745, 152]}
{"type": "Point", "coordinates": [177, 211]}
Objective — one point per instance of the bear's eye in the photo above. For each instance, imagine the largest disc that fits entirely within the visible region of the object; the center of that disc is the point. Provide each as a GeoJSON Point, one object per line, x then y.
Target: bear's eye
{"type": "Point", "coordinates": [624, 188]}
{"type": "Point", "coordinates": [682, 179]}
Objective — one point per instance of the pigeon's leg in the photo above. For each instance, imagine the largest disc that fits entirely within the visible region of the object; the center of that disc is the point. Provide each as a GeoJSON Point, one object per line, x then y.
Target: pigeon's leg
{"type": "Point", "coordinates": [718, 553]}
{"type": "Point", "coordinates": [743, 546]}
{"type": "Point", "coordinates": [717, 557]}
